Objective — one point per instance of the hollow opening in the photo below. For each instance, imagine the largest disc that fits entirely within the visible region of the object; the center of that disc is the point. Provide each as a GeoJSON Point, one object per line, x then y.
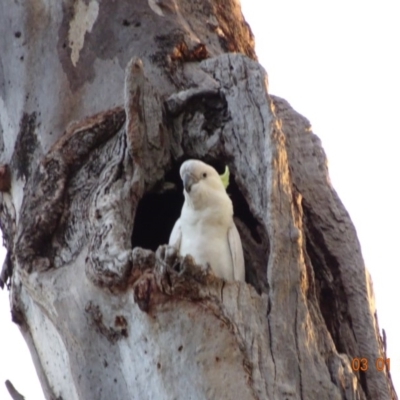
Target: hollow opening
{"type": "Point", "coordinates": [159, 209]}
{"type": "Point", "coordinates": [242, 210]}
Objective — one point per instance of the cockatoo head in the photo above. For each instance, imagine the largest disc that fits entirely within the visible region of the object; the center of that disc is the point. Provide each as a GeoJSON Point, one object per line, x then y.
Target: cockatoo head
{"type": "Point", "coordinates": [201, 182]}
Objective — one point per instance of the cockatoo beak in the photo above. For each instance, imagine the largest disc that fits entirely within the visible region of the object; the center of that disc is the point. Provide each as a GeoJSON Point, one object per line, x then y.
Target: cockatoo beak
{"type": "Point", "coordinates": [188, 181]}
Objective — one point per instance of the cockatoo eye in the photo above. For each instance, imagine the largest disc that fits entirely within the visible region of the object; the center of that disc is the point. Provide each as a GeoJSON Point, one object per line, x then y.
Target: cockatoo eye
{"type": "Point", "coordinates": [204, 174]}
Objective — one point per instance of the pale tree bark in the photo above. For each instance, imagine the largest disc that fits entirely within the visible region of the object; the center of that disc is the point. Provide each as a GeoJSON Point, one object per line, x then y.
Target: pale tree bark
{"type": "Point", "coordinates": [100, 102]}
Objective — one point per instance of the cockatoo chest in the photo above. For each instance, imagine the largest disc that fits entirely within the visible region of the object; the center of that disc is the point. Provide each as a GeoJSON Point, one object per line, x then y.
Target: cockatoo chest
{"type": "Point", "coordinates": [205, 238]}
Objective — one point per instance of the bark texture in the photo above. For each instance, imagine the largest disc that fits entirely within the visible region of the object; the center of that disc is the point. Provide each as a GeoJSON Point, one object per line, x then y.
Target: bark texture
{"type": "Point", "coordinates": [100, 102]}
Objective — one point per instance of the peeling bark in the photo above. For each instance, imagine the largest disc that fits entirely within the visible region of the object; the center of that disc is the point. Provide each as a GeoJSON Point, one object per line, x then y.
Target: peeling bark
{"type": "Point", "coordinates": [93, 179]}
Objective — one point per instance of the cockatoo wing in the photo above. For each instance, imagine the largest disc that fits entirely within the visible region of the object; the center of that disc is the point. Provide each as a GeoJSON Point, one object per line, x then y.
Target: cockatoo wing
{"type": "Point", "coordinates": [176, 235]}
{"type": "Point", "coordinates": [235, 245]}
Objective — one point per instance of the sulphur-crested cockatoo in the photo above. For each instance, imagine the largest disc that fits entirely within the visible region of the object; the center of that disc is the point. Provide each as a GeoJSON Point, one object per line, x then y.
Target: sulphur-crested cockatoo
{"type": "Point", "coordinates": [206, 229]}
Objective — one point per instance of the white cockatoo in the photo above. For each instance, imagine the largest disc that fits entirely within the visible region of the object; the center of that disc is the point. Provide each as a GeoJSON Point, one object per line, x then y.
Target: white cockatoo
{"type": "Point", "coordinates": [206, 229]}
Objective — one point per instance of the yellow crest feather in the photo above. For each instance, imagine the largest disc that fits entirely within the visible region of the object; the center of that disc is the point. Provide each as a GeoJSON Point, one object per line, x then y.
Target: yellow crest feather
{"type": "Point", "coordinates": [225, 177]}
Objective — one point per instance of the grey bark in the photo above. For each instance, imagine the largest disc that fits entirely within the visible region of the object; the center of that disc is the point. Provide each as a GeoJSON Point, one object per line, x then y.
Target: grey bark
{"type": "Point", "coordinates": [15, 395]}
{"type": "Point", "coordinates": [100, 102]}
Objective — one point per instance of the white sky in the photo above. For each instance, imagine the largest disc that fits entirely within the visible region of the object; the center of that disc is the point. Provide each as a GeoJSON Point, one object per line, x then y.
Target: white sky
{"type": "Point", "coordinates": [338, 64]}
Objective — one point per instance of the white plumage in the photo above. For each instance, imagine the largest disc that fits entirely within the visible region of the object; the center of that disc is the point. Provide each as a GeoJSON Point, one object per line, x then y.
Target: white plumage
{"type": "Point", "coordinates": [206, 229]}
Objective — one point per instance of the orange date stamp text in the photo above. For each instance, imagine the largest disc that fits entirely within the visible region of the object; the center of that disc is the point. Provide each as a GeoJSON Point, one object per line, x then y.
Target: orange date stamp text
{"type": "Point", "coordinates": [362, 364]}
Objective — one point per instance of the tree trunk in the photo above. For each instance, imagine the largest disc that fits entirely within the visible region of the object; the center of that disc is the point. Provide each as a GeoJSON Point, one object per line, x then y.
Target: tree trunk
{"type": "Point", "coordinates": [100, 102]}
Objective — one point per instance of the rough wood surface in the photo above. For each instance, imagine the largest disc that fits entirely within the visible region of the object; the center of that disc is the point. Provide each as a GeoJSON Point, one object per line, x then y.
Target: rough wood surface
{"type": "Point", "coordinates": [94, 179]}
{"type": "Point", "coordinates": [339, 269]}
